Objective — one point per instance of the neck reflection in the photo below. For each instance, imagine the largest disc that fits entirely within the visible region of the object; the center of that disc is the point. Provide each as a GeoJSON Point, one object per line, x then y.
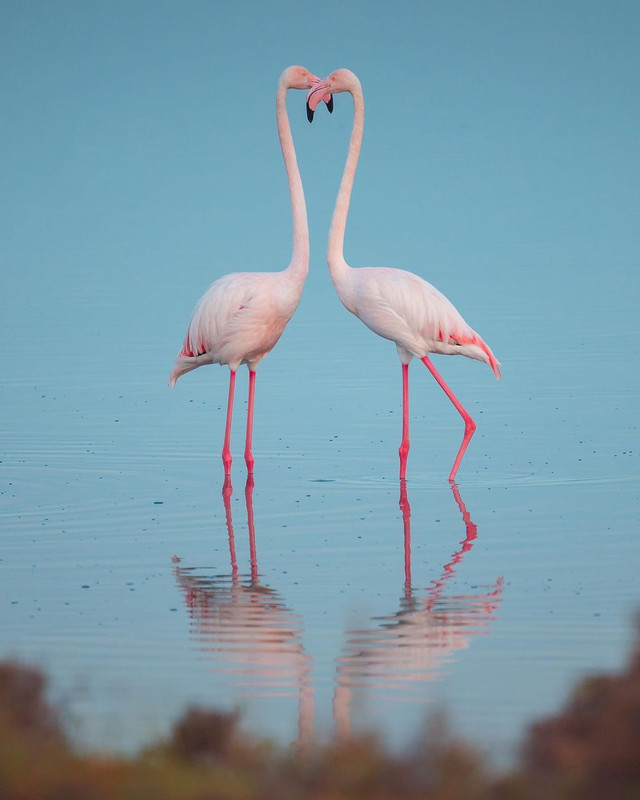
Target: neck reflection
{"type": "Point", "coordinates": [401, 651]}
{"type": "Point", "coordinates": [246, 629]}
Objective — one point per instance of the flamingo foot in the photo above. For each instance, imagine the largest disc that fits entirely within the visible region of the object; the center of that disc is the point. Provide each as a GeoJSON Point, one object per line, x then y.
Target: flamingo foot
{"type": "Point", "coordinates": [403, 452]}
{"type": "Point", "coordinates": [226, 460]}
{"type": "Point", "coordinates": [250, 461]}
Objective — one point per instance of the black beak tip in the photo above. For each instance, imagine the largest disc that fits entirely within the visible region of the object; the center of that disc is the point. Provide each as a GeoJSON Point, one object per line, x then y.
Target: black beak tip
{"type": "Point", "coordinates": [330, 105]}
{"type": "Point", "coordinates": [309, 113]}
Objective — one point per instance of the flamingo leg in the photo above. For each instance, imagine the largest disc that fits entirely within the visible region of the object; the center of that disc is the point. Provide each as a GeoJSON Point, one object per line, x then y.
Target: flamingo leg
{"type": "Point", "coordinates": [403, 450]}
{"type": "Point", "coordinates": [248, 453]}
{"type": "Point", "coordinates": [226, 449]}
{"type": "Point", "coordinates": [469, 424]}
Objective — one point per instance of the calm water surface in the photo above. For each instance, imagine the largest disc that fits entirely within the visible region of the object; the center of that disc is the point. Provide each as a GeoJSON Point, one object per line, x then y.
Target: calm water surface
{"type": "Point", "coordinates": [324, 597]}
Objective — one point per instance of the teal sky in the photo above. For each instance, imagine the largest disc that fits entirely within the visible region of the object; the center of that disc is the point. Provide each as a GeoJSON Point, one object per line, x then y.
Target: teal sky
{"type": "Point", "coordinates": [140, 138]}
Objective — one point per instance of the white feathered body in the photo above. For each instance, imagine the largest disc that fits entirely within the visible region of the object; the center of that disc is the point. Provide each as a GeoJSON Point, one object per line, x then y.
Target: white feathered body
{"type": "Point", "coordinates": [404, 308]}
{"type": "Point", "coordinates": [238, 320]}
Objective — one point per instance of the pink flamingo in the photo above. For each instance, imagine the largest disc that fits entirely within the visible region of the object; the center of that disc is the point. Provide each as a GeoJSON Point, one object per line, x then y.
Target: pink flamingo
{"type": "Point", "coordinates": [393, 303]}
{"type": "Point", "coordinates": [241, 316]}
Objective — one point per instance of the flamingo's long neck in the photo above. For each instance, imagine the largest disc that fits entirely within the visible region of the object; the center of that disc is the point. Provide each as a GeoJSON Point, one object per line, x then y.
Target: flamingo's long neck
{"type": "Point", "coordinates": [299, 265]}
{"type": "Point", "coordinates": [335, 251]}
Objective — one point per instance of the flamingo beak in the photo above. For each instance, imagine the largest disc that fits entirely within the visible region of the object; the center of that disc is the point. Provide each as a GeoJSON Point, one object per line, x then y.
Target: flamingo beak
{"type": "Point", "coordinates": [319, 92]}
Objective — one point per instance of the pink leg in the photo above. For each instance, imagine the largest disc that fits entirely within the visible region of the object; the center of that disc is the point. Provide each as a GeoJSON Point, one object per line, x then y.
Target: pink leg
{"type": "Point", "coordinates": [404, 444]}
{"type": "Point", "coordinates": [469, 424]}
{"type": "Point", "coordinates": [248, 454]}
{"type": "Point", "coordinates": [226, 449]}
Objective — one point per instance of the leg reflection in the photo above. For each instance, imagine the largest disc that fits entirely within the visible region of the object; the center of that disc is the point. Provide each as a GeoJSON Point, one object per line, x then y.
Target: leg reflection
{"type": "Point", "coordinates": [449, 570]}
{"type": "Point", "coordinates": [398, 654]}
{"type": "Point", "coordinates": [253, 555]}
{"type": "Point", "coordinates": [227, 491]}
{"type": "Point", "coordinates": [405, 508]}
{"type": "Point", "coordinates": [245, 628]}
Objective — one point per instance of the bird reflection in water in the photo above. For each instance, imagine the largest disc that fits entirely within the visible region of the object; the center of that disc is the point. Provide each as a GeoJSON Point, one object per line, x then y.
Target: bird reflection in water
{"type": "Point", "coordinates": [247, 629]}
{"type": "Point", "coordinates": [415, 644]}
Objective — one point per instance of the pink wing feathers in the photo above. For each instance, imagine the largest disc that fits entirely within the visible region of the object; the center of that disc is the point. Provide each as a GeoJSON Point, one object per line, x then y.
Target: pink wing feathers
{"type": "Point", "coordinates": [408, 310]}
{"type": "Point", "coordinates": [237, 321]}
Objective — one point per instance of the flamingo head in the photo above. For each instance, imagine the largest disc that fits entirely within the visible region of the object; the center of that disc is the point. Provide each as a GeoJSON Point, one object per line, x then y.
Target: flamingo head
{"type": "Point", "coordinates": [342, 80]}
{"type": "Point", "coordinates": [296, 77]}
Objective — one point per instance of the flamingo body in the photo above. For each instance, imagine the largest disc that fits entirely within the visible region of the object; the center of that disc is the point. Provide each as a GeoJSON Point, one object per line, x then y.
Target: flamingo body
{"type": "Point", "coordinates": [407, 310]}
{"type": "Point", "coordinates": [238, 320]}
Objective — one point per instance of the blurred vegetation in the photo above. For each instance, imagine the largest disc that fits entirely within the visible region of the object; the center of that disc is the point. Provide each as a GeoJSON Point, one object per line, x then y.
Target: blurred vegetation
{"type": "Point", "coordinates": [589, 751]}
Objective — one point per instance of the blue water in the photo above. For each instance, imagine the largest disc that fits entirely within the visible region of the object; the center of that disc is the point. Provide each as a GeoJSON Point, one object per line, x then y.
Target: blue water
{"type": "Point", "coordinates": [339, 607]}
{"type": "Point", "coordinates": [500, 162]}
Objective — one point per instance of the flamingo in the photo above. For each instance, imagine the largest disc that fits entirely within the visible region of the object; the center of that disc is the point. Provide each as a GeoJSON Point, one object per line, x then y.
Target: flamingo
{"type": "Point", "coordinates": [394, 303]}
{"type": "Point", "coordinates": [241, 316]}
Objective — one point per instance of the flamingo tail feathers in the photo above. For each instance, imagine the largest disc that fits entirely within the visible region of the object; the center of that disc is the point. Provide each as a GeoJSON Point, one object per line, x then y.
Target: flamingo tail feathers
{"type": "Point", "coordinates": [477, 348]}
{"type": "Point", "coordinates": [186, 364]}
{"type": "Point", "coordinates": [493, 361]}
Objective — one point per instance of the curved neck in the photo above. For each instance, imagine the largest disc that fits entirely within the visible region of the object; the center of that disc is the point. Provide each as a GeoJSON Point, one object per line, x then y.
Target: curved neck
{"type": "Point", "coordinates": [300, 255]}
{"type": "Point", "coordinates": [335, 250]}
